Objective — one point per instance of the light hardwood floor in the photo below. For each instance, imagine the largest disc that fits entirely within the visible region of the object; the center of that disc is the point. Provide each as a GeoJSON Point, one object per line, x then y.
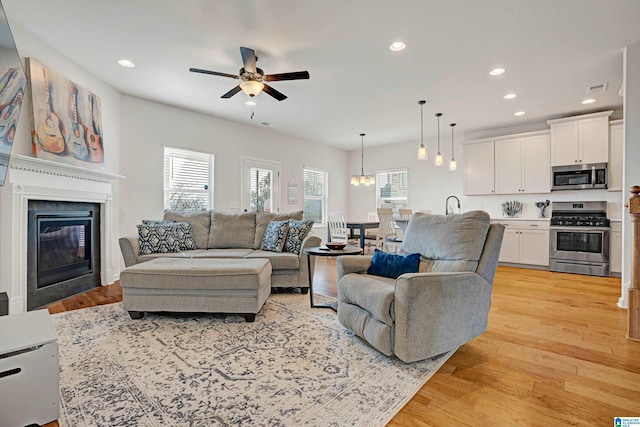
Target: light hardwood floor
{"type": "Point", "coordinates": [554, 354]}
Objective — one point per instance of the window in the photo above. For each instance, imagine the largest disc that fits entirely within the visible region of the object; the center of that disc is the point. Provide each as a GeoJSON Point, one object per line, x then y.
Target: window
{"type": "Point", "coordinates": [260, 185]}
{"type": "Point", "coordinates": [315, 195]}
{"type": "Point", "coordinates": [188, 180]}
{"type": "Point", "coordinates": [391, 189]}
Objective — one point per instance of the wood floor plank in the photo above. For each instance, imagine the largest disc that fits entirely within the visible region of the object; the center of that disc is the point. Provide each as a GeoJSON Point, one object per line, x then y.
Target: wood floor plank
{"type": "Point", "coordinates": [555, 353]}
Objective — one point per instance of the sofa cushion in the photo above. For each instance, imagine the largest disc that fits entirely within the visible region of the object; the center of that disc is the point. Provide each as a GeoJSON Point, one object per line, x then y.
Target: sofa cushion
{"type": "Point", "coordinates": [279, 261]}
{"type": "Point", "coordinates": [298, 230]}
{"type": "Point", "coordinates": [372, 293]}
{"type": "Point", "coordinates": [232, 230]}
{"type": "Point", "coordinates": [264, 218]}
{"type": "Point", "coordinates": [454, 242]}
{"type": "Point", "coordinates": [182, 230]}
{"type": "Point", "coordinates": [200, 223]}
{"type": "Point", "coordinates": [223, 253]}
{"type": "Point", "coordinates": [275, 236]}
{"type": "Point", "coordinates": [156, 239]}
{"type": "Point", "coordinates": [392, 265]}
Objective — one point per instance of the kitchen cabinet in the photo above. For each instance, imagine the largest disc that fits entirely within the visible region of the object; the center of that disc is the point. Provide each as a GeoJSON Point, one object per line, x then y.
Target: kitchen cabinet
{"type": "Point", "coordinates": [478, 168]}
{"type": "Point", "coordinates": [616, 147]}
{"type": "Point", "coordinates": [525, 242]}
{"type": "Point", "coordinates": [615, 247]}
{"type": "Point", "coordinates": [522, 165]}
{"type": "Point", "coordinates": [580, 139]}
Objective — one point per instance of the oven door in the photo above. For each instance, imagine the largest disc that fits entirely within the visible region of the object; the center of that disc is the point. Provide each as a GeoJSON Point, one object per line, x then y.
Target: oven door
{"type": "Point", "coordinates": [579, 243]}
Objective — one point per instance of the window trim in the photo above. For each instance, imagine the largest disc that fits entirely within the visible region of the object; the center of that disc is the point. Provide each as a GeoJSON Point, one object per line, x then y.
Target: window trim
{"type": "Point", "coordinates": [325, 197]}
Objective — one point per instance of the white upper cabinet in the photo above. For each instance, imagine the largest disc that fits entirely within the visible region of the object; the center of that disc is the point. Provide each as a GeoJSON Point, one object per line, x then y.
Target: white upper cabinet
{"type": "Point", "coordinates": [522, 165]}
{"type": "Point", "coordinates": [616, 145]}
{"type": "Point", "coordinates": [478, 168]}
{"type": "Point", "coordinates": [580, 139]}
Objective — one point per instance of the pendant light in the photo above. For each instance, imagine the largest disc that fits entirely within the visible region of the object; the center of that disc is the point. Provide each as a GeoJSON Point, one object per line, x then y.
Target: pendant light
{"type": "Point", "coordinates": [422, 149]}
{"type": "Point", "coordinates": [438, 160]}
{"type": "Point", "coordinates": [452, 164]}
{"type": "Point", "coordinates": [362, 178]}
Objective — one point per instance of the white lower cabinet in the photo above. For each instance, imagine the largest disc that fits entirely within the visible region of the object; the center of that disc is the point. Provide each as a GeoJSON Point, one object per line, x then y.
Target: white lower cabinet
{"type": "Point", "coordinates": [525, 242]}
{"type": "Point", "coordinates": [615, 247]}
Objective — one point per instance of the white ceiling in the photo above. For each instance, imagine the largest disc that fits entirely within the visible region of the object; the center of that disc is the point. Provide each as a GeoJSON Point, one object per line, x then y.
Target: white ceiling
{"type": "Point", "coordinates": [552, 50]}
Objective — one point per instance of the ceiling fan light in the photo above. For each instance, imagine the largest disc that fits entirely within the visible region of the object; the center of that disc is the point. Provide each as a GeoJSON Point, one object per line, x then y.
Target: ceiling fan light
{"type": "Point", "coordinates": [251, 87]}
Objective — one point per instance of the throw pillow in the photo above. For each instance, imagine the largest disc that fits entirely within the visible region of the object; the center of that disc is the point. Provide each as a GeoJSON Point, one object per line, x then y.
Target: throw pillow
{"type": "Point", "coordinates": [392, 265]}
{"type": "Point", "coordinates": [182, 231]}
{"type": "Point", "coordinates": [298, 230]}
{"type": "Point", "coordinates": [275, 236]}
{"type": "Point", "coordinates": [157, 239]}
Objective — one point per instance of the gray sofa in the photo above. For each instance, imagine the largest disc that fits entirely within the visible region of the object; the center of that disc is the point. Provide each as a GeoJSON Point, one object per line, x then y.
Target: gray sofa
{"type": "Point", "coordinates": [444, 305]}
{"type": "Point", "coordinates": [224, 235]}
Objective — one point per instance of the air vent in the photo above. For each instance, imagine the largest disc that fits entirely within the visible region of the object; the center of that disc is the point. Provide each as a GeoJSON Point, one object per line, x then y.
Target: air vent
{"type": "Point", "coordinates": [597, 88]}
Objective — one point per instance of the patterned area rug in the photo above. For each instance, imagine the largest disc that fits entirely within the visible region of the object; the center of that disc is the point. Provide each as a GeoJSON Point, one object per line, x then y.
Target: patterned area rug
{"type": "Point", "coordinates": [292, 367]}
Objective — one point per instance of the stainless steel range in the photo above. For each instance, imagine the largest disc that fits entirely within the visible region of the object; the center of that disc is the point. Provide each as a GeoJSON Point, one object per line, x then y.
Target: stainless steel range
{"type": "Point", "coordinates": [579, 238]}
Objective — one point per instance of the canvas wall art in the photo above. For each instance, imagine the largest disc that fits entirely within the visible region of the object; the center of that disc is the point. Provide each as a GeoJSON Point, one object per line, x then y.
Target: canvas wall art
{"type": "Point", "coordinates": [12, 84]}
{"type": "Point", "coordinates": [67, 124]}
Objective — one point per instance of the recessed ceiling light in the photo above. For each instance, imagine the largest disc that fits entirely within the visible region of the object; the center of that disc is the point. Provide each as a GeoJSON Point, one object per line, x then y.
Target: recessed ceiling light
{"type": "Point", "coordinates": [126, 63]}
{"type": "Point", "coordinates": [250, 103]}
{"type": "Point", "coordinates": [588, 101]}
{"type": "Point", "coordinates": [519, 113]}
{"type": "Point", "coordinates": [497, 71]}
{"type": "Point", "coordinates": [397, 46]}
{"type": "Point", "coordinates": [510, 96]}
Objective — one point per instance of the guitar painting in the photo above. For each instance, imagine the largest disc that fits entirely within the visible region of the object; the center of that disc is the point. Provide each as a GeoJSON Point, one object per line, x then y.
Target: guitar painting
{"type": "Point", "coordinates": [49, 131]}
{"type": "Point", "coordinates": [9, 118]}
{"type": "Point", "coordinates": [67, 124]}
{"type": "Point", "coordinates": [76, 142]}
{"type": "Point", "coordinates": [94, 140]}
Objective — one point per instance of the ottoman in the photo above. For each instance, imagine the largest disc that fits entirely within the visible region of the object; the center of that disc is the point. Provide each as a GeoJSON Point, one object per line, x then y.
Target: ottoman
{"type": "Point", "coordinates": [196, 285]}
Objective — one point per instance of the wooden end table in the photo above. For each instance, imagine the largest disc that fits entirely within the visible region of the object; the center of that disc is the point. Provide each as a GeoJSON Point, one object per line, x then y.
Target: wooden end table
{"type": "Point", "coordinates": [324, 251]}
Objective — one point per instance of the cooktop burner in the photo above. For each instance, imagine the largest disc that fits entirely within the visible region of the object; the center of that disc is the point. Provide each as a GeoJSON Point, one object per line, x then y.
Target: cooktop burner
{"type": "Point", "coordinates": [580, 214]}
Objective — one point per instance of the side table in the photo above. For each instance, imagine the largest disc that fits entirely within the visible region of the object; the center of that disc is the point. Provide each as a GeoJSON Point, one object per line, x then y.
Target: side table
{"type": "Point", "coordinates": [324, 251]}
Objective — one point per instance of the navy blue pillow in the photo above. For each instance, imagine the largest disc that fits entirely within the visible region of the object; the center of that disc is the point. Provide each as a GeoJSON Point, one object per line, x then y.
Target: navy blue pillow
{"type": "Point", "coordinates": [392, 265]}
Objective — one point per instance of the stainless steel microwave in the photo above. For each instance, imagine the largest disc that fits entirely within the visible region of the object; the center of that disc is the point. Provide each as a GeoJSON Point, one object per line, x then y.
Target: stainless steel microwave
{"type": "Point", "coordinates": [579, 177]}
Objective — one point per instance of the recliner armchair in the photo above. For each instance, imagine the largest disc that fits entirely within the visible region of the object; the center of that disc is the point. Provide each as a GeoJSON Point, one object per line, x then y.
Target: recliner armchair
{"type": "Point", "coordinates": [444, 305]}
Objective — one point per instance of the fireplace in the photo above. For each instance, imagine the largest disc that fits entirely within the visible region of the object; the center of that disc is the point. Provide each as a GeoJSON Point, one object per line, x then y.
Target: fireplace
{"type": "Point", "coordinates": [63, 250]}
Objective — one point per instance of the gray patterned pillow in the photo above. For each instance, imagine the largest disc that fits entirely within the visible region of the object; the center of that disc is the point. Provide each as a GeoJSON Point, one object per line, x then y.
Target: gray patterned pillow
{"type": "Point", "coordinates": [182, 231]}
{"type": "Point", "coordinates": [157, 239]}
{"type": "Point", "coordinates": [275, 236]}
{"type": "Point", "coordinates": [298, 230]}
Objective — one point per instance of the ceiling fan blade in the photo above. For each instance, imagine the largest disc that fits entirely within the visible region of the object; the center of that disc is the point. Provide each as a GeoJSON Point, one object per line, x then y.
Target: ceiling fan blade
{"type": "Point", "coordinates": [297, 75]}
{"type": "Point", "coordinates": [271, 91]}
{"type": "Point", "coordinates": [231, 92]}
{"type": "Point", "coordinates": [214, 73]}
{"type": "Point", "coordinates": [248, 59]}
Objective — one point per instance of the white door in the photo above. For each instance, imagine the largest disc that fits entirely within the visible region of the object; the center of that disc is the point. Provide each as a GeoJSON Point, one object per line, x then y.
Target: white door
{"type": "Point", "coordinates": [260, 185]}
{"type": "Point", "coordinates": [536, 172]}
{"type": "Point", "coordinates": [509, 166]}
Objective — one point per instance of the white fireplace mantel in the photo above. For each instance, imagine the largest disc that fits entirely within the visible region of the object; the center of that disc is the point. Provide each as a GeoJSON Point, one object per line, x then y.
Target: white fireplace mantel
{"type": "Point", "coordinates": [36, 179]}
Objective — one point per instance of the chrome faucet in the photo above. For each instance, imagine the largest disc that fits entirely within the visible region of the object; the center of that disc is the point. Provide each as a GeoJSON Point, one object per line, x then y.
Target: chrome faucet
{"type": "Point", "coordinates": [446, 203]}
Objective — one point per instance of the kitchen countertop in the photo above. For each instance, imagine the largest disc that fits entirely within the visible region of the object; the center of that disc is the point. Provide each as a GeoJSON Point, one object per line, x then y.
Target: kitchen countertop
{"type": "Point", "coordinates": [507, 218]}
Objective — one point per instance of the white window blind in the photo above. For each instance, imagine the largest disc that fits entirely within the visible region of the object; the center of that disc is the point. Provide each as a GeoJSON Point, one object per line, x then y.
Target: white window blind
{"type": "Point", "coordinates": [261, 190]}
{"type": "Point", "coordinates": [188, 179]}
{"type": "Point", "coordinates": [391, 189]}
{"type": "Point", "coordinates": [315, 195]}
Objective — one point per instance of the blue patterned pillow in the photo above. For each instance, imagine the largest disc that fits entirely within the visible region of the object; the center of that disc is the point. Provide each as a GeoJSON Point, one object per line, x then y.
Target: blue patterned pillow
{"type": "Point", "coordinates": [392, 265]}
{"type": "Point", "coordinates": [298, 230]}
{"type": "Point", "coordinates": [183, 232]}
{"type": "Point", "coordinates": [157, 239]}
{"type": "Point", "coordinates": [275, 236]}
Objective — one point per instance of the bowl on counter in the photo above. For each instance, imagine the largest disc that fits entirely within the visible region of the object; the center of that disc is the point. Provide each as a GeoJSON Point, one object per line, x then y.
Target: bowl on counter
{"type": "Point", "coordinates": [336, 246]}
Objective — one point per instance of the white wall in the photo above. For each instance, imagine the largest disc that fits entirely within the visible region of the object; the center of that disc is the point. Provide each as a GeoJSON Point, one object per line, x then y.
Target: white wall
{"type": "Point", "coordinates": [148, 126]}
{"type": "Point", "coordinates": [29, 46]}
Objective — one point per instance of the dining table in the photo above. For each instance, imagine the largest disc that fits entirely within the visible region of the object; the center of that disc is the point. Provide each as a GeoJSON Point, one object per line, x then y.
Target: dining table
{"type": "Point", "coordinates": [352, 226]}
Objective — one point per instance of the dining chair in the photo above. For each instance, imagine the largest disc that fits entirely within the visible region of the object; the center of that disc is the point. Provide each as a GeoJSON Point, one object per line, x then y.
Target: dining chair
{"type": "Point", "coordinates": [387, 237]}
{"type": "Point", "coordinates": [405, 213]}
{"type": "Point", "coordinates": [338, 230]}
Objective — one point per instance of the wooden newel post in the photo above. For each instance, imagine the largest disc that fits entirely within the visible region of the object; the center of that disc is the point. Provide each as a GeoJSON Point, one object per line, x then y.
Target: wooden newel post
{"type": "Point", "coordinates": [634, 288]}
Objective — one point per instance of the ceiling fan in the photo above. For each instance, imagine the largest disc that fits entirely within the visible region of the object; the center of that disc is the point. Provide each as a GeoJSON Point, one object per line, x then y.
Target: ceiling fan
{"type": "Point", "coordinates": [253, 78]}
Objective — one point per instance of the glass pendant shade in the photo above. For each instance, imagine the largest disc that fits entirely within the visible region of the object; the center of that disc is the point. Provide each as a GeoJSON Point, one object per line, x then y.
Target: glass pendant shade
{"type": "Point", "coordinates": [422, 149]}
{"type": "Point", "coordinates": [362, 178]}
{"type": "Point", "coordinates": [438, 159]}
{"type": "Point", "coordinates": [251, 87]}
{"type": "Point", "coordinates": [452, 164]}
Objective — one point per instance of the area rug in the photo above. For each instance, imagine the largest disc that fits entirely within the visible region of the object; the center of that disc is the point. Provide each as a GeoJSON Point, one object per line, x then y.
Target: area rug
{"type": "Point", "coordinates": [293, 366]}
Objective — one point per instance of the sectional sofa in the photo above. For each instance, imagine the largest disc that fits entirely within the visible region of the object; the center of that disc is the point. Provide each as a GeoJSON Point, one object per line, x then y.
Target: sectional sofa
{"type": "Point", "coordinates": [225, 235]}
